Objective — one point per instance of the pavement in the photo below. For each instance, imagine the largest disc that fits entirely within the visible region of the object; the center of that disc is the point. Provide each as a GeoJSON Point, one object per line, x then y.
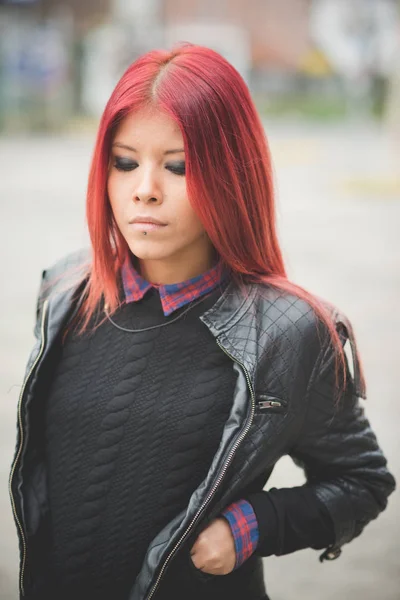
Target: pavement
{"type": "Point", "coordinates": [338, 198]}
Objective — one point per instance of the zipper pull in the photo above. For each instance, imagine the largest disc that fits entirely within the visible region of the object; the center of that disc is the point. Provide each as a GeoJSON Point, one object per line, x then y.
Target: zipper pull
{"type": "Point", "coordinates": [269, 404]}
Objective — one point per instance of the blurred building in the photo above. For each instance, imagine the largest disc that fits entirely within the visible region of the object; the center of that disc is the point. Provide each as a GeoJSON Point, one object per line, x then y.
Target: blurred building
{"type": "Point", "coordinates": [278, 32]}
{"type": "Point", "coordinates": [60, 58]}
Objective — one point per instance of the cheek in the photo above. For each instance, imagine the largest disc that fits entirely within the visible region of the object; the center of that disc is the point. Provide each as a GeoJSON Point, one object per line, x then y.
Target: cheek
{"type": "Point", "coordinates": [115, 195]}
{"type": "Point", "coordinates": [183, 211]}
{"type": "Point", "coordinates": [190, 219]}
{"type": "Point", "coordinates": [110, 189]}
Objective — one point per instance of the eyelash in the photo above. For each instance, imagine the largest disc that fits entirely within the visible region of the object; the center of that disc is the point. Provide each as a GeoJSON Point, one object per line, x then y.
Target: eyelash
{"type": "Point", "coordinates": [126, 165]}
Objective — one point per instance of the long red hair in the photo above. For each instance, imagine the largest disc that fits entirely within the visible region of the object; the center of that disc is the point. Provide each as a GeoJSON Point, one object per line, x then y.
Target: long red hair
{"type": "Point", "coordinates": [228, 171]}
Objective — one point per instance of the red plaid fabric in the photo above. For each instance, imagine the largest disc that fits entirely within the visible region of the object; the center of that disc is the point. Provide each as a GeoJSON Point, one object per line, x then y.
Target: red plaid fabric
{"type": "Point", "coordinates": [172, 296]}
{"type": "Point", "coordinates": [242, 519]}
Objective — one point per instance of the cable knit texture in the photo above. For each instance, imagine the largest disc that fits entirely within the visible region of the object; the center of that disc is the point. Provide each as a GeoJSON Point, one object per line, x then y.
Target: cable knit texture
{"type": "Point", "coordinates": [133, 421]}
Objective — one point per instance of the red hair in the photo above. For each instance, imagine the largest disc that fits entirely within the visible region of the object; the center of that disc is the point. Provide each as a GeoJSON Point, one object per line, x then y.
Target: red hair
{"type": "Point", "coordinates": [228, 171]}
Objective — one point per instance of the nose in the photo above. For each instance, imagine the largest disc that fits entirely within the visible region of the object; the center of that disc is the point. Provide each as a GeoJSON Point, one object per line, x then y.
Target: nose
{"type": "Point", "coordinates": [148, 190]}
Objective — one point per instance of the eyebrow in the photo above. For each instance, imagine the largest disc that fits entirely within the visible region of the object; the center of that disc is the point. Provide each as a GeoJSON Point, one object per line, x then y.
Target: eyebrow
{"type": "Point", "coordinates": [126, 147]}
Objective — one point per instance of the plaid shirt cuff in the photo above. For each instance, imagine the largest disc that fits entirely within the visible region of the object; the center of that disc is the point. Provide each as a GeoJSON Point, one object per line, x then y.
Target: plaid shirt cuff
{"type": "Point", "coordinates": [242, 519]}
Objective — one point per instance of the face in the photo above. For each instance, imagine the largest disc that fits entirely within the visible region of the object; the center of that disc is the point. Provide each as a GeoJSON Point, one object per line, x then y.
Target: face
{"type": "Point", "coordinates": [147, 192]}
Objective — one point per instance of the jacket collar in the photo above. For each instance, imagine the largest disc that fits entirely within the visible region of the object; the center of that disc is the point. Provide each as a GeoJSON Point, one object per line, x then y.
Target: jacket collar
{"type": "Point", "coordinates": [236, 304]}
{"type": "Point", "coordinates": [228, 309]}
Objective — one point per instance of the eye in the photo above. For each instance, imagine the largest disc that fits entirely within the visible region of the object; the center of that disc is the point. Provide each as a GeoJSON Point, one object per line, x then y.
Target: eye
{"type": "Point", "coordinates": [124, 164]}
{"type": "Point", "coordinates": [177, 167]}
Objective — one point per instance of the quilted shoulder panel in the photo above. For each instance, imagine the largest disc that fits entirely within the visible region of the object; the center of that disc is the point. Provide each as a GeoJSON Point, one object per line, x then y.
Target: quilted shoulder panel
{"type": "Point", "coordinates": [277, 339]}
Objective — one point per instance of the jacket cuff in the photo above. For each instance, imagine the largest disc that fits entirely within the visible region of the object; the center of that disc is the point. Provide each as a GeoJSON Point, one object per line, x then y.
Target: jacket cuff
{"type": "Point", "coordinates": [242, 520]}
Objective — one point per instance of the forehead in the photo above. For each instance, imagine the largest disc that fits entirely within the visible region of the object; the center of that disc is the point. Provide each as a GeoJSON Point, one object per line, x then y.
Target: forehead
{"type": "Point", "coordinates": [148, 126]}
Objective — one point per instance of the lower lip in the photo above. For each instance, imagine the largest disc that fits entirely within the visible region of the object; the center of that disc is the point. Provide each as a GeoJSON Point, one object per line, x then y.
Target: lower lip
{"type": "Point", "coordinates": [147, 226]}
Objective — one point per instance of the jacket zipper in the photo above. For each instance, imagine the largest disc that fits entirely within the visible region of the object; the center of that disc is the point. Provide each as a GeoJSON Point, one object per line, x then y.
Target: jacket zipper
{"type": "Point", "coordinates": [20, 448]}
{"type": "Point", "coordinates": [263, 404]}
{"type": "Point", "coordinates": [221, 475]}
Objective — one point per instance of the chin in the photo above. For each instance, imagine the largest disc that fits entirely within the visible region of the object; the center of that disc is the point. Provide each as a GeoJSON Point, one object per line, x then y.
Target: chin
{"type": "Point", "coordinates": [149, 251]}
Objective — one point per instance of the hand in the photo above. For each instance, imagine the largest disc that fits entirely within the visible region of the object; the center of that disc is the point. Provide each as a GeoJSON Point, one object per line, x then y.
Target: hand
{"type": "Point", "coordinates": [214, 550]}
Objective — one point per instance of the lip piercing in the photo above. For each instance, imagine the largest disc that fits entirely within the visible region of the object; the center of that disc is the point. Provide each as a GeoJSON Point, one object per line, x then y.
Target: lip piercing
{"type": "Point", "coordinates": [144, 232]}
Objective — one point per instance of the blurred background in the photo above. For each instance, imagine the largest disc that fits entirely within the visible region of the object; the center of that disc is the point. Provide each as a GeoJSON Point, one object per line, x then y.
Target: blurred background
{"type": "Point", "coordinates": [325, 76]}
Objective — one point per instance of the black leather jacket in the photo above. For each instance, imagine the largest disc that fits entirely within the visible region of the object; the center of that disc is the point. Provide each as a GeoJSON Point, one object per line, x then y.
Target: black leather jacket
{"type": "Point", "coordinates": [283, 404]}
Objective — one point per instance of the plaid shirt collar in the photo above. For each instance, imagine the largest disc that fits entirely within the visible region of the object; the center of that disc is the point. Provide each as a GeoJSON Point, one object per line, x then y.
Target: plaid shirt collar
{"type": "Point", "coordinates": [172, 296]}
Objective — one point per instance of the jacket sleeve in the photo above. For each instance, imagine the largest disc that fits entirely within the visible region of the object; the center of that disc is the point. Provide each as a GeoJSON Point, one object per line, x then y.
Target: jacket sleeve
{"type": "Point", "coordinates": [348, 482]}
{"type": "Point", "coordinates": [70, 269]}
{"type": "Point", "coordinates": [39, 304]}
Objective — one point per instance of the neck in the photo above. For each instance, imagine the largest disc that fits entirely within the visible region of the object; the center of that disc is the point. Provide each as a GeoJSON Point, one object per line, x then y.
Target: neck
{"type": "Point", "coordinates": [169, 271]}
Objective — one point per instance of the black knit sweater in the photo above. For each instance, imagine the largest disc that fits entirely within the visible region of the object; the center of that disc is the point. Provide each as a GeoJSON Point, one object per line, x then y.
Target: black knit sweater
{"type": "Point", "coordinates": [132, 422]}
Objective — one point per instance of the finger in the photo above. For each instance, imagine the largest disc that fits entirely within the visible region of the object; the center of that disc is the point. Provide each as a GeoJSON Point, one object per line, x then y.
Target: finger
{"type": "Point", "coordinates": [199, 566]}
{"type": "Point", "coordinates": [211, 571]}
{"type": "Point", "coordinates": [193, 557]}
{"type": "Point", "coordinates": [195, 547]}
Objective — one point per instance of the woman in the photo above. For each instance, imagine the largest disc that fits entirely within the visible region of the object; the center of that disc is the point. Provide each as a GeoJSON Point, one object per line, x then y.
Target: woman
{"type": "Point", "coordinates": [175, 364]}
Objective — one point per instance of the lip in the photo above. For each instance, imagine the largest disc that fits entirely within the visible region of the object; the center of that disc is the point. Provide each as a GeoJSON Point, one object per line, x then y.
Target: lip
{"type": "Point", "coordinates": [144, 223]}
{"type": "Point", "coordinates": [147, 220]}
{"type": "Point", "coordinates": [146, 226]}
